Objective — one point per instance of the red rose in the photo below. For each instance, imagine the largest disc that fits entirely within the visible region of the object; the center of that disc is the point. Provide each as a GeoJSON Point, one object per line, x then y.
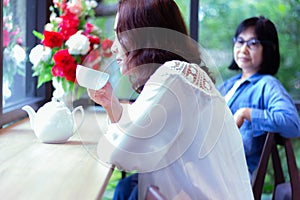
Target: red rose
{"type": "Point", "coordinates": [93, 39]}
{"type": "Point", "coordinates": [106, 47]}
{"type": "Point", "coordinates": [91, 58]}
{"type": "Point", "coordinates": [68, 32]}
{"type": "Point", "coordinates": [5, 3]}
{"type": "Point", "coordinates": [52, 39]}
{"type": "Point", "coordinates": [70, 72]}
{"type": "Point", "coordinates": [106, 44]}
{"type": "Point", "coordinates": [69, 25]}
{"type": "Point", "coordinates": [62, 4]}
{"type": "Point", "coordinates": [89, 28]}
{"type": "Point", "coordinates": [61, 55]}
{"type": "Point", "coordinates": [57, 71]}
{"type": "Point", "coordinates": [6, 39]}
{"type": "Point", "coordinates": [65, 65]}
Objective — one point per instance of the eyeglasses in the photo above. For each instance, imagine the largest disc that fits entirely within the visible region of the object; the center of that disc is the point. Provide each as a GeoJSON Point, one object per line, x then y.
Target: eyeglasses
{"type": "Point", "coordinates": [253, 44]}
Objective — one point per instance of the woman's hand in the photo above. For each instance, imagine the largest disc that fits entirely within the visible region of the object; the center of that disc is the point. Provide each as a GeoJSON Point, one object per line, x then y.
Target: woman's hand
{"type": "Point", "coordinates": [108, 100]}
{"type": "Point", "coordinates": [241, 115]}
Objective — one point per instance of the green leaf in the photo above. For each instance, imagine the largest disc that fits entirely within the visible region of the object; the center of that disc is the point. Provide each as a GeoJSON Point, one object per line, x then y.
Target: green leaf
{"type": "Point", "coordinates": [43, 79]}
{"type": "Point", "coordinates": [80, 91]}
{"type": "Point", "coordinates": [38, 35]}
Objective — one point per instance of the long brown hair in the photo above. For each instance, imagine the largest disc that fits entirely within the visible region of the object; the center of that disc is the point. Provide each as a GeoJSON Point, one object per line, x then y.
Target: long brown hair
{"type": "Point", "coordinates": [151, 33]}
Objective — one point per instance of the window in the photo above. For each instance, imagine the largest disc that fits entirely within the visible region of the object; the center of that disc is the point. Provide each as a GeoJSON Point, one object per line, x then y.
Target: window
{"type": "Point", "coordinates": [18, 19]}
{"type": "Point", "coordinates": [17, 23]}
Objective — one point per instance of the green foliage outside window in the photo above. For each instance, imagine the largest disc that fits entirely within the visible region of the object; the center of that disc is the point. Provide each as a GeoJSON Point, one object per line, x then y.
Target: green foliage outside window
{"type": "Point", "coordinates": [218, 20]}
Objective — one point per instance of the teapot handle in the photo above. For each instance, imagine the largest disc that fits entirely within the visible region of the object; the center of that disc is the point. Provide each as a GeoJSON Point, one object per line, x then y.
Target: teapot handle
{"type": "Point", "coordinates": [79, 108]}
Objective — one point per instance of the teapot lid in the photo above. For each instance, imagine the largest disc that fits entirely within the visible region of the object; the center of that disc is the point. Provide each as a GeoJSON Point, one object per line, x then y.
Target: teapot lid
{"type": "Point", "coordinates": [53, 106]}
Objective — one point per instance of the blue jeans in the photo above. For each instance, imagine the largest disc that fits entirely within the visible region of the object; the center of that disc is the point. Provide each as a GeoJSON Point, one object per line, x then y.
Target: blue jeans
{"type": "Point", "coordinates": [127, 188]}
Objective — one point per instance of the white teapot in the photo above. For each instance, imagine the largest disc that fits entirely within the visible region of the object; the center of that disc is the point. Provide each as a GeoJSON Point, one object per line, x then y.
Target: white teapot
{"type": "Point", "coordinates": [53, 122]}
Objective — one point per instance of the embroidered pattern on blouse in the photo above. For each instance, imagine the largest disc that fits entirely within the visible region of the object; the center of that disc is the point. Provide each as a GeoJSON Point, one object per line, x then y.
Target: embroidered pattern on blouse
{"type": "Point", "coordinates": [194, 75]}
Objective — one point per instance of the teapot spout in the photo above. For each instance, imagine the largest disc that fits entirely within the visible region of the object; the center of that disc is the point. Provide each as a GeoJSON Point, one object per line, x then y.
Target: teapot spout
{"type": "Point", "coordinates": [31, 113]}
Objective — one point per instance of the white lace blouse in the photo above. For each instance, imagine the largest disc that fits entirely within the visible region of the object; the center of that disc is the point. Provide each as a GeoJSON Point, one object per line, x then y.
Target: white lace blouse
{"type": "Point", "coordinates": [180, 136]}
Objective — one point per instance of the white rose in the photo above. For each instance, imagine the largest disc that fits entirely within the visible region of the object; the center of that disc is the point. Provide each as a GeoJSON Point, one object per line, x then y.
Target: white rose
{"type": "Point", "coordinates": [78, 44]}
{"type": "Point", "coordinates": [49, 27]}
{"type": "Point", "coordinates": [39, 53]}
{"type": "Point", "coordinates": [19, 53]}
{"type": "Point", "coordinates": [91, 4]}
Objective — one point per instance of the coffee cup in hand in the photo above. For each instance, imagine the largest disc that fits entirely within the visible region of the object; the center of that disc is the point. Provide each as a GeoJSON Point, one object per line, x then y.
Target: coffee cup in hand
{"type": "Point", "coordinates": [90, 78]}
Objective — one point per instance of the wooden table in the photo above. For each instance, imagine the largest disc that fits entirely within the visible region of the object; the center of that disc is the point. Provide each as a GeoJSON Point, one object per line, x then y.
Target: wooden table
{"type": "Point", "coordinates": [33, 170]}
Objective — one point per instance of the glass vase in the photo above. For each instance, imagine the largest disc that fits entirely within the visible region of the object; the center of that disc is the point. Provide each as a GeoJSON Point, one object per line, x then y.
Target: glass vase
{"type": "Point", "coordinates": [60, 95]}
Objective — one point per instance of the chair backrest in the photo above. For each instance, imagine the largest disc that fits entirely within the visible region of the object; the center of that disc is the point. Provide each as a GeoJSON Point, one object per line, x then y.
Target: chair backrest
{"type": "Point", "coordinates": [153, 193]}
{"type": "Point", "coordinates": [290, 190]}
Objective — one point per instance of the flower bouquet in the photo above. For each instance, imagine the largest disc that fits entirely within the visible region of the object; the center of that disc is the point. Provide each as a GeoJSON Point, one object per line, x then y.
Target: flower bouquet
{"type": "Point", "coordinates": [68, 39]}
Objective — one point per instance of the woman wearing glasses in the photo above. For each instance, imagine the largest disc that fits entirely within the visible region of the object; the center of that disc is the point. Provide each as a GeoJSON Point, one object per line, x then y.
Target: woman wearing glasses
{"type": "Point", "coordinates": [257, 99]}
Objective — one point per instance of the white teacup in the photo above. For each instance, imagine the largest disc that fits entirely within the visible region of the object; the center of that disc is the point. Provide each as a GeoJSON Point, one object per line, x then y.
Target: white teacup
{"type": "Point", "coordinates": [90, 78]}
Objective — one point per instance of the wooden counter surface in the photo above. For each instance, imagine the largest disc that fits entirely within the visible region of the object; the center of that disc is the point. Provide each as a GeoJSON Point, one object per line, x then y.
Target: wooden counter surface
{"type": "Point", "coordinates": [33, 170]}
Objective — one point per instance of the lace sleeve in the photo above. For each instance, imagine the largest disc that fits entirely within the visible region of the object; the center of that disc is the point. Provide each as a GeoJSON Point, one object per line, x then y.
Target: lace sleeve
{"type": "Point", "coordinates": [194, 75]}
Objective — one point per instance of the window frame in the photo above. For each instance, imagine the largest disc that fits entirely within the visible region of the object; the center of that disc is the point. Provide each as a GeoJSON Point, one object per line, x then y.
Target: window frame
{"type": "Point", "coordinates": [194, 25]}
{"type": "Point", "coordinates": [37, 14]}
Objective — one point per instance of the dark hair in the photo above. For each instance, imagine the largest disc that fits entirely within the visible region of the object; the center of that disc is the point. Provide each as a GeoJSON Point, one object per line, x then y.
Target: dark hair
{"type": "Point", "coordinates": [151, 33]}
{"type": "Point", "coordinates": [266, 32]}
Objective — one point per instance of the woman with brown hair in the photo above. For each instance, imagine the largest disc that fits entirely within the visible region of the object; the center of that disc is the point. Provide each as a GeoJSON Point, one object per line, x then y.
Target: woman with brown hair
{"type": "Point", "coordinates": [179, 134]}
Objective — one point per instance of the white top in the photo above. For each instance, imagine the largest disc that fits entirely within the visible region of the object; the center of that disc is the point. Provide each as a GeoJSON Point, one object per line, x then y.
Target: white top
{"type": "Point", "coordinates": [231, 92]}
{"type": "Point", "coordinates": [180, 136]}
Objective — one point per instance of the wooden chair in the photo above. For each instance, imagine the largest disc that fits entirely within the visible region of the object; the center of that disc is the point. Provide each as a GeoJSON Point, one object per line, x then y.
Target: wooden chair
{"type": "Point", "coordinates": [282, 188]}
{"type": "Point", "coordinates": [153, 193]}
